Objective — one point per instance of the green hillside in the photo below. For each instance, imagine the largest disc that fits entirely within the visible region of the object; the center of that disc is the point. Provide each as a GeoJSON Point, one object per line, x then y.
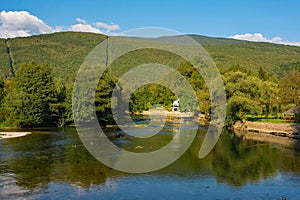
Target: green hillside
{"type": "Point", "coordinates": [247, 72]}
{"type": "Point", "coordinates": [65, 51]}
{"type": "Point", "coordinates": [4, 60]}
{"type": "Point", "coordinates": [253, 55]}
{"type": "Point", "coordinates": [226, 52]}
{"type": "Point", "coordinates": [204, 40]}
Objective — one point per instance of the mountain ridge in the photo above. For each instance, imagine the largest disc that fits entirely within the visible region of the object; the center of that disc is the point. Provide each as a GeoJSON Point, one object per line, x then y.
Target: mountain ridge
{"type": "Point", "coordinates": [65, 51]}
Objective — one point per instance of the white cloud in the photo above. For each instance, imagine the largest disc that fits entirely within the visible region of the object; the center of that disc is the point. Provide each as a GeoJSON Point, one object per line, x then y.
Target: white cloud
{"type": "Point", "coordinates": [258, 37]}
{"type": "Point", "coordinates": [22, 24]}
{"type": "Point", "coordinates": [109, 27]}
{"type": "Point", "coordinates": [97, 27]}
{"type": "Point", "coordinates": [84, 28]}
{"type": "Point", "coordinates": [288, 43]}
{"type": "Point", "coordinates": [276, 39]}
{"type": "Point", "coordinates": [81, 21]}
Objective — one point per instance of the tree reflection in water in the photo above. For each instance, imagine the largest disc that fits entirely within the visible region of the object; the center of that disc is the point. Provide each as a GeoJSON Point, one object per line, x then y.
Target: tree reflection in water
{"type": "Point", "coordinates": [47, 156]}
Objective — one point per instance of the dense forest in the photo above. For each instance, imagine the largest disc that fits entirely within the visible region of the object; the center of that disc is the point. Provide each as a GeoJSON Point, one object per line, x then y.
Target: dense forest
{"type": "Point", "coordinates": [37, 75]}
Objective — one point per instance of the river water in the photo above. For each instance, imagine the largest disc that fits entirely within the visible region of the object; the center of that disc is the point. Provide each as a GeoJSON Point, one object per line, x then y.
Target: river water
{"type": "Point", "coordinates": [54, 164]}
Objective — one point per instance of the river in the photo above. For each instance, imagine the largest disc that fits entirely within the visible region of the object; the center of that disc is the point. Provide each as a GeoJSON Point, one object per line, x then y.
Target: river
{"type": "Point", "coordinates": [54, 164]}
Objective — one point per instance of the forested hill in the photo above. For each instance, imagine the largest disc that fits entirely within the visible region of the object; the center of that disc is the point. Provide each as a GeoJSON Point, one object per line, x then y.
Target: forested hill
{"type": "Point", "coordinates": [65, 51]}
{"type": "Point", "coordinates": [37, 76]}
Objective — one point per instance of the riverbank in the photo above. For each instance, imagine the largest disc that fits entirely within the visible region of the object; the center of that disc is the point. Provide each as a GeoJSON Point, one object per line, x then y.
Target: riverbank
{"type": "Point", "coordinates": [284, 129]}
{"type": "Point", "coordinates": [265, 137]}
{"type": "Point", "coordinates": [202, 119]}
{"type": "Point", "coordinates": [7, 135]}
{"type": "Point", "coordinates": [157, 112]}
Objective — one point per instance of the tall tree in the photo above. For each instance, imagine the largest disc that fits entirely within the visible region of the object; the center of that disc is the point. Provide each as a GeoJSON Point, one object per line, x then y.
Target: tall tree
{"type": "Point", "coordinates": [31, 100]}
{"type": "Point", "coordinates": [238, 107]}
{"type": "Point", "coordinates": [103, 98]}
{"type": "Point", "coordinates": [290, 88]}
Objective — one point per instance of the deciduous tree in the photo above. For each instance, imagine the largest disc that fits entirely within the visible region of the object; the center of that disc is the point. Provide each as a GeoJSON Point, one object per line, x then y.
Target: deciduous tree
{"type": "Point", "coordinates": [30, 102]}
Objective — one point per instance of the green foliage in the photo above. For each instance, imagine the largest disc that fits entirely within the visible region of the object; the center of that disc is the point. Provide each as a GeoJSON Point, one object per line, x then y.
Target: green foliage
{"type": "Point", "coordinates": [4, 60]}
{"type": "Point", "coordinates": [84, 104]}
{"type": "Point", "coordinates": [238, 107]}
{"type": "Point", "coordinates": [64, 51]}
{"type": "Point", "coordinates": [144, 56]}
{"type": "Point", "coordinates": [263, 119]}
{"type": "Point", "coordinates": [152, 94]}
{"type": "Point", "coordinates": [145, 97]}
{"type": "Point", "coordinates": [149, 95]}
{"type": "Point", "coordinates": [2, 95]}
{"type": "Point", "coordinates": [263, 75]}
{"type": "Point", "coordinates": [253, 55]}
{"type": "Point", "coordinates": [268, 98]}
{"type": "Point", "coordinates": [204, 40]}
{"type": "Point", "coordinates": [241, 82]}
{"type": "Point", "coordinates": [290, 88]}
{"type": "Point", "coordinates": [285, 68]}
{"type": "Point", "coordinates": [66, 112]}
{"type": "Point", "coordinates": [250, 93]}
{"type": "Point", "coordinates": [31, 100]}
{"type": "Point", "coordinates": [103, 98]}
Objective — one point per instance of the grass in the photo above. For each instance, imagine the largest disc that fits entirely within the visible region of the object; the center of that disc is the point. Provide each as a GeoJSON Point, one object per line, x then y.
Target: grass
{"type": "Point", "coordinates": [266, 120]}
{"type": "Point", "coordinates": [271, 119]}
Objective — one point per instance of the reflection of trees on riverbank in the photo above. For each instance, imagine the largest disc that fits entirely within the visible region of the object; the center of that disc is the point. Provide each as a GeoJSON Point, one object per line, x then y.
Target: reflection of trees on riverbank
{"type": "Point", "coordinates": [238, 162]}
{"type": "Point", "coordinates": [291, 163]}
{"type": "Point", "coordinates": [289, 160]}
{"type": "Point", "coordinates": [41, 158]}
{"type": "Point", "coordinates": [82, 168]}
{"type": "Point", "coordinates": [32, 161]}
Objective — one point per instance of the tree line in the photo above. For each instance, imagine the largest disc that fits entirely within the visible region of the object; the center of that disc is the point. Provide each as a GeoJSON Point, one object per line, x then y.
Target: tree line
{"type": "Point", "coordinates": [33, 98]}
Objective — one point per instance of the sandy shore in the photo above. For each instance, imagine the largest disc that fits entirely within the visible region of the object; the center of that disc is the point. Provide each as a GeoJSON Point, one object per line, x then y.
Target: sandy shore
{"type": "Point", "coordinates": [168, 113]}
{"type": "Point", "coordinates": [277, 129]}
{"type": "Point", "coordinates": [6, 135]}
{"type": "Point", "coordinates": [265, 137]}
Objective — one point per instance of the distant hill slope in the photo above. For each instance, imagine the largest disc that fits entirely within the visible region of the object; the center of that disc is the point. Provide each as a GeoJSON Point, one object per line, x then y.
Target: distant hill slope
{"type": "Point", "coordinates": [65, 51]}
{"type": "Point", "coordinates": [204, 40]}
{"type": "Point", "coordinates": [273, 58]}
{"type": "Point", "coordinates": [4, 60]}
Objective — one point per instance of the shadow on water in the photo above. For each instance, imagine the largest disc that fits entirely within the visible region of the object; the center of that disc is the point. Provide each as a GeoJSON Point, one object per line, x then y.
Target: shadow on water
{"type": "Point", "coordinates": [44, 157]}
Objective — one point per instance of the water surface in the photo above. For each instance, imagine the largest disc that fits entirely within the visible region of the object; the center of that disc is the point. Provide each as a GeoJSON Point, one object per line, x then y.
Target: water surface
{"type": "Point", "coordinates": [53, 164]}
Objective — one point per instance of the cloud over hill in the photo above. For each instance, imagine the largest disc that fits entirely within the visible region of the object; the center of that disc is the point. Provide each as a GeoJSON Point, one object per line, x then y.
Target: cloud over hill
{"type": "Point", "coordinates": [258, 37]}
{"type": "Point", "coordinates": [22, 24]}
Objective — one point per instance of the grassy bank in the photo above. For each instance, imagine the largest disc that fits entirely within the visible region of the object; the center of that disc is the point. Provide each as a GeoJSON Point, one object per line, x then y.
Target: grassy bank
{"type": "Point", "coordinates": [271, 119]}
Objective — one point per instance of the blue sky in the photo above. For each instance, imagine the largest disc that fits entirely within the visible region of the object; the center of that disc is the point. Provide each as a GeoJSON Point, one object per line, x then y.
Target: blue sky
{"type": "Point", "coordinates": [277, 18]}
